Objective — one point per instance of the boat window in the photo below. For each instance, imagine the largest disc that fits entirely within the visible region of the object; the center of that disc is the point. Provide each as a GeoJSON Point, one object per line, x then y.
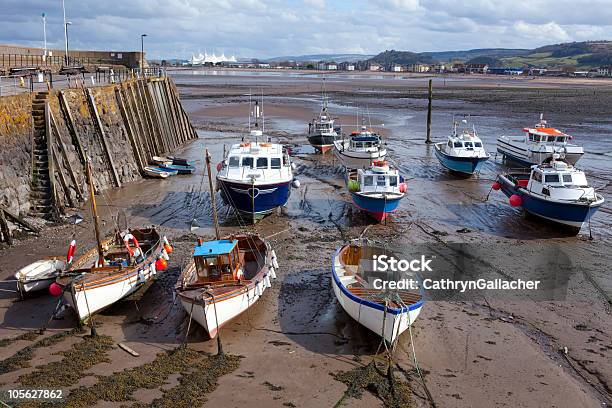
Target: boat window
{"type": "Point", "coordinates": [368, 180]}
{"type": "Point", "coordinates": [551, 138]}
{"type": "Point", "coordinates": [536, 138]}
{"type": "Point", "coordinates": [567, 178]}
{"type": "Point", "coordinates": [458, 144]}
{"type": "Point", "coordinates": [213, 266]}
{"type": "Point", "coordinates": [531, 138]}
{"type": "Point", "coordinates": [381, 181]}
{"type": "Point", "coordinates": [234, 161]}
{"type": "Point", "coordinates": [477, 144]}
{"type": "Point", "coordinates": [275, 162]}
{"type": "Point", "coordinates": [450, 144]}
{"type": "Point", "coordinates": [367, 145]}
{"type": "Point", "coordinates": [358, 145]}
{"type": "Point", "coordinates": [551, 178]}
{"type": "Point", "coordinates": [537, 176]}
{"type": "Point", "coordinates": [393, 181]}
{"type": "Point", "coordinates": [247, 162]}
{"type": "Point", "coordinates": [262, 162]}
{"type": "Point", "coordinates": [468, 144]}
{"type": "Point", "coordinates": [561, 139]}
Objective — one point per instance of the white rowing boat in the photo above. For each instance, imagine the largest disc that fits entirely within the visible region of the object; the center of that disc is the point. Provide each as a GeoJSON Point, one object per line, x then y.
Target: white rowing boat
{"type": "Point", "coordinates": [38, 275]}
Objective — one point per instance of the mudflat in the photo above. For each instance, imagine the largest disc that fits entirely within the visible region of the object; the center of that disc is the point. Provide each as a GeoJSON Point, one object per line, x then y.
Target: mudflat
{"type": "Point", "coordinates": [289, 349]}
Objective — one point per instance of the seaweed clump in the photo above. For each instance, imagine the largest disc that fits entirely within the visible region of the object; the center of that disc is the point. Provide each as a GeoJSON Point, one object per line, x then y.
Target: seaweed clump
{"type": "Point", "coordinates": [194, 385]}
{"type": "Point", "coordinates": [392, 392]}
{"type": "Point", "coordinates": [29, 335]}
{"type": "Point", "coordinates": [69, 370]}
{"type": "Point", "coordinates": [21, 359]}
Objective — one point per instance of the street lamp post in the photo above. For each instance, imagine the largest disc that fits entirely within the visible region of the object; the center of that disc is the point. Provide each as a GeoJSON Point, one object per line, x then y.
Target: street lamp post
{"type": "Point", "coordinates": [66, 32]}
{"type": "Point", "coordinates": [142, 36]}
{"type": "Point", "coordinates": [44, 18]}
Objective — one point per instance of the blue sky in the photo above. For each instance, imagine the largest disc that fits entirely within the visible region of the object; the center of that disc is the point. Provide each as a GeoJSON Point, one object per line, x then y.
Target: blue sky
{"type": "Point", "coordinates": [258, 28]}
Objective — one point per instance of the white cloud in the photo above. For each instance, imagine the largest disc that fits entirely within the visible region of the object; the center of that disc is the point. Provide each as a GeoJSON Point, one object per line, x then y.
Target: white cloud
{"type": "Point", "coordinates": [549, 31]}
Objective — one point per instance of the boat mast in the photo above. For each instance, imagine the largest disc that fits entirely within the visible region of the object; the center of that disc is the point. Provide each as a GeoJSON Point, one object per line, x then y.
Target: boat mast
{"type": "Point", "coordinates": [212, 196]}
{"type": "Point", "coordinates": [94, 212]}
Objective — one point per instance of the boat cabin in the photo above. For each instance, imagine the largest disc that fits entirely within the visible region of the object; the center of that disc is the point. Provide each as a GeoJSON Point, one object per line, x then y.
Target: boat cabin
{"type": "Point", "coordinates": [377, 179]}
{"type": "Point", "coordinates": [558, 179]}
{"type": "Point", "coordinates": [323, 125]}
{"type": "Point", "coordinates": [218, 260]}
{"type": "Point", "coordinates": [256, 159]}
{"type": "Point", "coordinates": [546, 135]}
{"type": "Point", "coordinates": [364, 141]}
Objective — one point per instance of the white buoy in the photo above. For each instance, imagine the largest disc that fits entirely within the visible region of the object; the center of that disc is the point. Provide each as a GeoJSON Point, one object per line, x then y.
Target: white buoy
{"type": "Point", "coordinates": [272, 272]}
{"type": "Point", "coordinates": [296, 183]}
{"type": "Point", "coordinates": [267, 281]}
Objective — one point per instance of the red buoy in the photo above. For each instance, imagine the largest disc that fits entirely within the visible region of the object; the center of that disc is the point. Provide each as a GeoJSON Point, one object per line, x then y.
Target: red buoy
{"type": "Point", "coordinates": [516, 200]}
{"type": "Point", "coordinates": [403, 187]}
{"type": "Point", "coordinates": [168, 248]}
{"type": "Point", "coordinates": [219, 166]}
{"type": "Point", "coordinates": [55, 290]}
{"type": "Point", "coordinates": [161, 264]}
{"type": "Point", "coordinates": [496, 186]}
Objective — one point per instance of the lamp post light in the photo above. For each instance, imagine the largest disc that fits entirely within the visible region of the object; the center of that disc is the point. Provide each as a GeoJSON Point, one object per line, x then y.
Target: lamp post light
{"type": "Point", "coordinates": [44, 19]}
{"type": "Point", "coordinates": [142, 36]}
{"type": "Point", "coordinates": [66, 33]}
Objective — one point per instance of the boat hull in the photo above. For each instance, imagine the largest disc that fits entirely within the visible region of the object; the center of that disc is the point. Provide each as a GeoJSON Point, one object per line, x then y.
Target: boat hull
{"type": "Point", "coordinates": [180, 169]}
{"type": "Point", "coordinates": [38, 275]}
{"type": "Point", "coordinates": [321, 142]}
{"type": "Point", "coordinates": [521, 155]}
{"type": "Point", "coordinates": [357, 160]}
{"type": "Point", "coordinates": [377, 208]}
{"type": "Point", "coordinates": [573, 215]}
{"type": "Point", "coordinates": [464, 165]}
{"type": "Point", "coordinates": [372, 315]}
{"type": "Point", "coordinates": [254, 201]}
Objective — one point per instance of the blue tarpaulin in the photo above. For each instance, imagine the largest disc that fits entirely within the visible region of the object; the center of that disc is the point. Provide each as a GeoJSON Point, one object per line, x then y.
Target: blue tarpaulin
{"type": "Point", "coordinates": [212, 248]}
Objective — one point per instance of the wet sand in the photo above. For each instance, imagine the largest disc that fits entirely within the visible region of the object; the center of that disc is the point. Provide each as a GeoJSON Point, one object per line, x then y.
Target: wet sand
{"type": "Point", "coordinates": [489, 352]}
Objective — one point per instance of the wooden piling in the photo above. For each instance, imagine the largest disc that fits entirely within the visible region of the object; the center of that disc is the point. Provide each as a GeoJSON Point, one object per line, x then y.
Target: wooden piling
{"type": "Point", "coordinates": [155, 116]}
{"type": "Point", "coordinates": [430, 99]}
{"type": "Point", "coordinates": [62, 177]}
{"type": "Point", "coordinates": [64, 154]}
{"type": "Point", "coordinates": [182, 128]}
{"type": "Point", "coordinates": [129, 130]}
{"type": "Point", "coordinates": [98, 122]}
{"type": "Point", "coordinates": [71, 127]}
{"type": "Point", "coordinates": [4, 228]}
{"type": "Point", "coordinates": [50, 162]}
{"type": "Point", "coordinates": [151, 131]}
{"type": "Point", "coordinates": [143, 126]}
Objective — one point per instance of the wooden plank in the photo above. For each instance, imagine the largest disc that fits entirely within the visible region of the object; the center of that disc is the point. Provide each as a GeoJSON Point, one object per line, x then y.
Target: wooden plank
{"type": "Point", "coordinates": [130, 131]}
{"type": "Point", "coordinates": [62, 177]}
{"type": "Point", "coordinates": [141, 125]}
{"type": "Point", "coordinates": [155, 115]}
{"type": "Point", "coordinates": [179, 112]}
{"type": "Point", "coordinates": [18, 220]}
{"type": "Point", "coordinates": [155, 148]}
{"type": "Point", "coordinates": [71, 127]}
{"type": "Point", "coordinates": [64, 154]}
{"type": "Point", "coordinates": [6, 232]}
{"type": "Point", "coordinates": [128, 349]}
{"type": "Point", "coordinates": [167, 115]}
{"type": "Point", "coordinates": [172, 110]}
{"type": "Point", "coordinates": [109, 156]}
{"type": "Point", "coordinates": [50, 163]}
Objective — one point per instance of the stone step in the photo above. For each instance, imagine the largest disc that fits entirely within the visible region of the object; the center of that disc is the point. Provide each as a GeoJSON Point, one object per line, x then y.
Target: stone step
{"type": "Point", "coordinates": [41, 96]}
{"type": "Point", "coordinates": [39, 196]}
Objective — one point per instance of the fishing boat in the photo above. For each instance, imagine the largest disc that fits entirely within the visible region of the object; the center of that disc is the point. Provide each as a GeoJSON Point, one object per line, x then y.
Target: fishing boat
{"type": "Point", "coordinates": [360, 149]}
{"type": "Point", "coordinates": [158, 172]}
{"type": "Point", "coordinates": [225, 276]}
{"type": "Point", "coordinates": [321, 131]}
{"type": "Point", "coordinates": [39, 275]}
{"type": "Point", "coordinates": [255, 177]}
{"type": "Point", "coordinates": [377, 190]}
{"type": "Point", "coordinates": [555, 191]}
{"type": "Point", "coordinates": [179, 168]}
{"type": "Point", "coordinates": [161, 160]}
{"type": "Point", "coordinates": [388, 313]}
{"type": "Point", "coordinates": [463, 152]}
{"type": "Point", "coordinates": [538, 144]}
{"type": "Point", "coordinates": [114, 269]}
{"type": "Point", "coordinates": [180, 161]}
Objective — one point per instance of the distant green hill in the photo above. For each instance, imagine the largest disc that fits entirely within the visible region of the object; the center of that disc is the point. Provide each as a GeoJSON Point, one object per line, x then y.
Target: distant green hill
{"type": "Point", "coordinates": [587, 54]}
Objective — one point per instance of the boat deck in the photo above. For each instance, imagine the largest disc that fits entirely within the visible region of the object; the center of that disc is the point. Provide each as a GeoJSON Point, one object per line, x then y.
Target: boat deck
{"type": "Point", "coordinates": [378, 296]}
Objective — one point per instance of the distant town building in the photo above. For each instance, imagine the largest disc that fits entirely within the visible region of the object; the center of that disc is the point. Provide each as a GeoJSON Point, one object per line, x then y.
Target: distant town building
{"type": "Point", "coordinates": [420, 68]}
{"type": "Point", "coordinates": [476, 68]}
{"type": "Point", "coordinates": [346, 66]}
{"type": "Point", "coordinates": [605, 71]}
{"type": "Point", "coordinates": [373, 66]}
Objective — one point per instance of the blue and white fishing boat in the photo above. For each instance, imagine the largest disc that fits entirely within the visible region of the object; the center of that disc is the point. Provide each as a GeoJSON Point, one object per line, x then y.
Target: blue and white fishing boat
{"type": "Point", "coordinates": [256, 177]}
{"type": "Point", "coordinates": [321, 131]}
{"type": "Point", "coordinates": [180, 168]}
{"type": "Point", "coordinates": [360, 149]}
{"type": "Point", "coordinates": [386, 312]}
{"type": "Point", "coordinates": [538, 144]}
{"type": "Point", "coordinates": [158, 172]}
{"type": "Point", "coordinates": [463, 152]}
{"type": "Point", "coordinates": [555, 191]}
{"type": "Point", "coordinates": [376, 190]}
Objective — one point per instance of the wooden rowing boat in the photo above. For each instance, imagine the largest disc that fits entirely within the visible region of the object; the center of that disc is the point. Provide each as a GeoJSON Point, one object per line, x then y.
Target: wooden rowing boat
{"type": "Point", "coordinates": [386, 313]}
{"type": "Point", "coordinates": [39, 275]}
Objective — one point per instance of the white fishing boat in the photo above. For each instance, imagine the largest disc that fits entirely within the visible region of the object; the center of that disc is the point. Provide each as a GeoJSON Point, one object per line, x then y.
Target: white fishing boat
{"type": "Point", "coordinates": [226, 276]}
{"type": "Point", "coordinates": [39, 275]}
{"type": "Point", "coordinates": [360, 149]}
{"type": "Point", "coordinates": [321, 131]}
{"type": "Point", "coordinates": [538, 144]}
{"type": "Point", "coordinates": [157, 172]}
{"type": "Point", "coordinates": [114, 269]}
{"type": "Point", "coordinates": [463, 152]}
{"type": "Point", "coordinates": [388, 313]}
{"type": "Point", "coordinates": [256, 176]}
{"type": "Point", "coordinates": [555, 191]}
